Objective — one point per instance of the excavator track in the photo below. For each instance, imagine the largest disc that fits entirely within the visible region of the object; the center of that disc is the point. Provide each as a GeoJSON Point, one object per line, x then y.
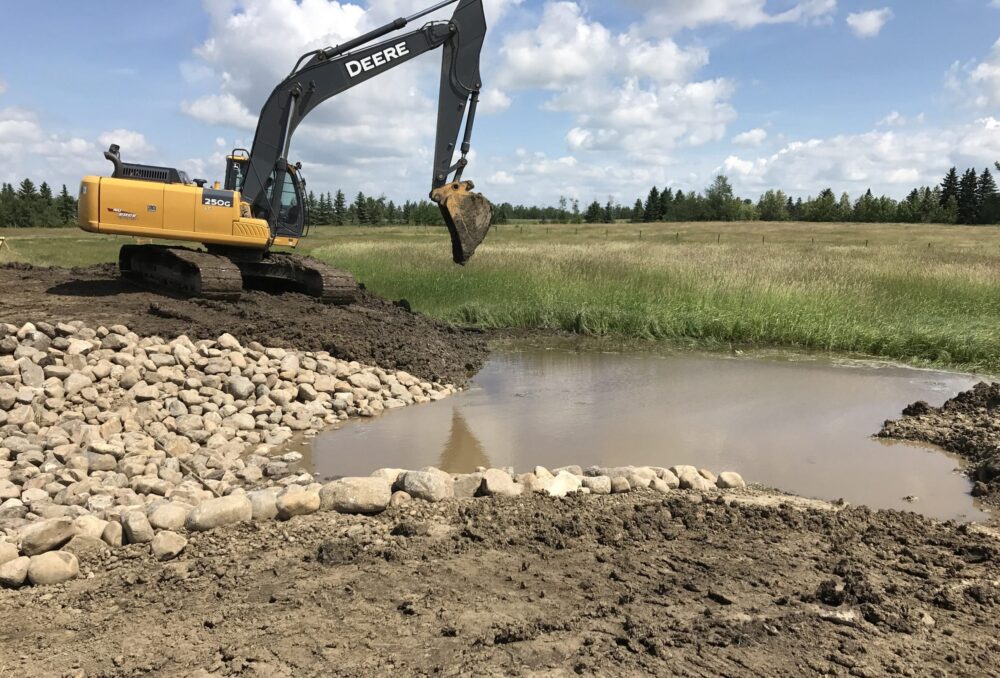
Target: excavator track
{"type": "Point", "coordinates": [287, 272]}
{"type": "Point", "coordinates": [181, 271]}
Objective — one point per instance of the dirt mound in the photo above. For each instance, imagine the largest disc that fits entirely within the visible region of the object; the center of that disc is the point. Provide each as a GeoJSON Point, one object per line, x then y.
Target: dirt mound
{"type": "Point", "coordinates": [967, 425]}
{"type": "Point", "coordinates": [374, 330]}
{"type": "Point", "coordinates": [631, 584]}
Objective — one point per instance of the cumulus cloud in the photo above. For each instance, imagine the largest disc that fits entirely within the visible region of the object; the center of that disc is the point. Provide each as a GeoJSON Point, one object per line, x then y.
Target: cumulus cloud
{"type": "Point", "coordinates": [884, 160]}
{"type": "Point", "coordinates": [625, 93]}
{"type": "Point", "coordinates": [984, 79]}
{"type": "Point", "coordinates": [133, 145]}
{"type": "Point", "coordinates": [753, 137]}
{"type": "Point", "coordinates": [869, 24]}
{"type": "Point", "coordinates": [220, 109]}
{"type": "Point", "coordinates": [674, 15]}
{"type": "Point", "coordinates": [27, 149]}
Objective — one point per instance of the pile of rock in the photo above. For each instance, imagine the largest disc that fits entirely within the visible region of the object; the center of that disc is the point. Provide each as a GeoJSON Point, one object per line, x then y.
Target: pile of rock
{"type": "Point", "coordinates": [162, 523]}
{"type": "Point", "coordinates": [101, 422]}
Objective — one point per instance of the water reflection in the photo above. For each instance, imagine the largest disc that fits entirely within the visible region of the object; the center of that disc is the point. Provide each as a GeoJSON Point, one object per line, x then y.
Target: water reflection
{"type": "Point", "coordinates": [462, 450]}
{"type": "Point", "coordinates": [804, 426]}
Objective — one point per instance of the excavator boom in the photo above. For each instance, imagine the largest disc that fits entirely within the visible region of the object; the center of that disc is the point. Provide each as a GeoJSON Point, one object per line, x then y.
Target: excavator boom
{"type": "Point", "coordinates": [325, 73]}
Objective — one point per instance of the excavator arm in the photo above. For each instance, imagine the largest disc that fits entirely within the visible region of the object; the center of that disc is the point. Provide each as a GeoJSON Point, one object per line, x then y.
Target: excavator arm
{"type": "Point", "coordinates": [324, 73]}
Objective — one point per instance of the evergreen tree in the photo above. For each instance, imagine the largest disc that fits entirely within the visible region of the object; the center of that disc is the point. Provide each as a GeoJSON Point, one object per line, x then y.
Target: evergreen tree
{"type": "Point", "coordinates": [949, 186]}
{"type": "Point", "coordinates": [340, 208]}
{"type": "Point", "coordinates": [844, 209]}
{"type": "Point", "coordinates": [594, 213]}
{"type": "Point", "coordinates": [637, 212]}
{"type": "Point", "coordinates": [360, 208]}
{"type": "Point", "coordinates": [651, 210]}
{"type": "Point", "coordinates": [666, 204]}
{"type": "Point", "coordinates": [968, 198]}
{"type": "Point", "coordinates": [987, 199]}
{"type": "Point", "coordinates": [66, 207]}
{"type": "Point", "coordinates": [608, 217]}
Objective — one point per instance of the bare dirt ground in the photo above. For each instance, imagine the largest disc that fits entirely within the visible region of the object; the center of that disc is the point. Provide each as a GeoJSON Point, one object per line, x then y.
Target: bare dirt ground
{"type": "Point", "coordinates": [617, 585]}
{"type": "Point", "coordinates": [967, 425]}
{"type": "Point", "coordinates": [373, 331]}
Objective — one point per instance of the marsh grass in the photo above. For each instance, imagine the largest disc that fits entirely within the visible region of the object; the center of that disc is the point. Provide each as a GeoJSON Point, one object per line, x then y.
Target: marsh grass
{"type": "Point", "coordinates": [922, 294]}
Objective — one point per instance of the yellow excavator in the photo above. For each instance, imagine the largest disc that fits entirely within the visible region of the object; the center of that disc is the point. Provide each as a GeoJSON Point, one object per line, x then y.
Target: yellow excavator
{"type": "Point", "coordinates": [261, 205]}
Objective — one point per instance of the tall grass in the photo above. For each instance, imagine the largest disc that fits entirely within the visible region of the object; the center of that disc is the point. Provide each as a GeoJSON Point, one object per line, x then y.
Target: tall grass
{"type": "Point", "coordinates": [909, 303]}
{"type": "Point", "coordinates": [921, 294]}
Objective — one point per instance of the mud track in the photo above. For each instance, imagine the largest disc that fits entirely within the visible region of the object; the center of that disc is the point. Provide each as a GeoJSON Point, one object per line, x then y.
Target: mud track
{"type": "Point", "coordinates": [967, 425]}
{"type": "Point", "coordinates": [618, 585]}
{"type": "Point", "coordinates": [373, 331]}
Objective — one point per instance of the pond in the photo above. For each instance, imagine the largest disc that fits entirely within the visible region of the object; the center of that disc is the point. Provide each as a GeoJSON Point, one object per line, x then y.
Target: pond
{"type": "Point", "coordinates": [798, 423]}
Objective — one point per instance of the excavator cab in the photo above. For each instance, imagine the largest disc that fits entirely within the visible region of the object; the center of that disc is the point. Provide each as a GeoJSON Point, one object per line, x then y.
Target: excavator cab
{"type": "Point", "coordinates": [289, 209]}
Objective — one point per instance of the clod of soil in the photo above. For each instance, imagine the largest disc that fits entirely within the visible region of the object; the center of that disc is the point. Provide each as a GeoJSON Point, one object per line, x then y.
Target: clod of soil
{"type": "Point", "coordinates": [636, 584]}
{"type": "Point", "coordinates": [967, 425]}
{"type": "Point", "coordinates": [373, 331]}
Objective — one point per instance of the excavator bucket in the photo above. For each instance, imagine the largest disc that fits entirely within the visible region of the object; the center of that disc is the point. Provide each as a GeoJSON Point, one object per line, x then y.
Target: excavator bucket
{"type": "Point", "coordinates": [468, 216]}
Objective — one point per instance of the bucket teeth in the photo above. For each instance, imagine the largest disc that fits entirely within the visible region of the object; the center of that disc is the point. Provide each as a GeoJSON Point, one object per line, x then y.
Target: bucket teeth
{"type": "Point", "coordinates": [468, 216]}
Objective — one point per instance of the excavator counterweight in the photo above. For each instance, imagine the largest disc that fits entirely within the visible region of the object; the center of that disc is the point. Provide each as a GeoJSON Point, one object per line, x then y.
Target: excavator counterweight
{"type": "Point", "coordinates": [262, 202]}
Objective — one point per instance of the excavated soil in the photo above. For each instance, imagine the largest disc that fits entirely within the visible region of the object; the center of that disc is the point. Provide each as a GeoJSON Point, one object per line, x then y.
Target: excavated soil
{"type": "Point", "coordinates": [967, 425]}
{"type": "Point", "coordinates": [373, 331]}
{"type": "Point", "coordinates": [635, 584]}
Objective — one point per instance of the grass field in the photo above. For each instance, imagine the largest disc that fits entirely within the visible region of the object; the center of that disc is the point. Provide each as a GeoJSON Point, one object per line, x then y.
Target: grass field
{"type": "Point", "coordinates": [921, 294]}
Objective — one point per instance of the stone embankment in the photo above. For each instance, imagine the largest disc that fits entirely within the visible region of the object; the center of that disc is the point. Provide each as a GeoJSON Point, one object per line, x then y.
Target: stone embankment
{"type": "Point", "coordinates": [109, 439]}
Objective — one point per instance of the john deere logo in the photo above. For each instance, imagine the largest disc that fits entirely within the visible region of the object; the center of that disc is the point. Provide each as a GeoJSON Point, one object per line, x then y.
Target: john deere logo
{"type": "Point", "coordinates": [122, 214]}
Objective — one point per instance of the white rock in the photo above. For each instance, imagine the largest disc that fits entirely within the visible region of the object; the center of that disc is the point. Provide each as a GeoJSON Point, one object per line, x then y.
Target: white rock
{"type": "Point", "coordinates": [694, 481]}
{"type": "Point", "coordinates": [356, 495]}
{"type": "Point", "coordinates": [427, 485]}
{"type": "Point", "coordinates": [564, 483]}
{"type": "Point", "coordinates": [218, 512]}
{"type": "Point", "coordinates": [90, 526]}
{"type": "Point", "coordinates": [136, 527]}
{"type": "Point", "coordinates": [53, 567]}
{"type": "Point", "coordinates": [497, 483]}
{"type": "Point", "coordinates": [296, 500]}
{"type": "Point", "coordinates": [264, 503]}
{"type": "Point", "coordinates": [8, 552]}
{"type": "Point", "coordinates": [13, 573]}
{"type": "Point", "coordinates": [169, 516]}
{"type": "Point", "coordinates": [167, 545]}
{"type": "Point", "coordinates": [46, 535]}
{"type": "Point", "coordinates": [597, 484]}
{"type": "Point", "coordinates": [729, 480]}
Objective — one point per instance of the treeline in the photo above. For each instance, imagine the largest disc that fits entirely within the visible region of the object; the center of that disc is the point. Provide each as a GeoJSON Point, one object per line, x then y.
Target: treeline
{"type": "Point", "coordinates": [29, 206]}
{"type": "Point", "coordinates": [967, 198]}
{"type": "Point", "coordinates": [971, 198]}
{"type": "Point", "coordinates": [333, 210]}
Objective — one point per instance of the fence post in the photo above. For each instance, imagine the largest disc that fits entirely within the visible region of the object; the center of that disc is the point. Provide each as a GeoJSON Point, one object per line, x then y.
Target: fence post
{"type": "Point", "coordinates": [718, 238]}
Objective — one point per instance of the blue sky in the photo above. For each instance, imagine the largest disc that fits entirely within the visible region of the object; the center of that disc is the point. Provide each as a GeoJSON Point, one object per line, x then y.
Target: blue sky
{"type": "Point", "coordinates": [584, 99]}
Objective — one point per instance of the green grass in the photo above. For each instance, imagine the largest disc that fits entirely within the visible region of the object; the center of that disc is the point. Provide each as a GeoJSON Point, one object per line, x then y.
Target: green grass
{"type": "Point", "coordinates": [922, 294]}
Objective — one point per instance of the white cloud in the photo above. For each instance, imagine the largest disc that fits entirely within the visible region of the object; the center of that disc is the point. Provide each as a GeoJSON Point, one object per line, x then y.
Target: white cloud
{"type": "Point", "coordinates": [869, 24]}
{"type": "Point", "coordinates": [984, 78]}
{"type": "Point", "coordinates": [28, 150]}
{"type": "Point", "coordinates": [886, 161]}
{"type": "Point", "coordinates": [753, 137]}
{"type": "Point", "coordinates": [625, 93]}
{"type": "Point", "coordinates": [134, 147]}
{"type": "Point", "coordinates": [674, 15]}
{"type": "Point", "coordinates": [493, 100]}
{"type": "Point", "coordinates": [220, 109]}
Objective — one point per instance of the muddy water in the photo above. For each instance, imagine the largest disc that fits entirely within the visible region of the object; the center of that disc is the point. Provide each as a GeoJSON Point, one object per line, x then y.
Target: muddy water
{"type": "Point", "coordinates": [802, 425]}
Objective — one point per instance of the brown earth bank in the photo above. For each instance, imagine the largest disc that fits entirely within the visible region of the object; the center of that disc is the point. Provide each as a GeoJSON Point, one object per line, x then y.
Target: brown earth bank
{"type": "Point", "coordinates": [967, 425]}
{"type": "Point", "coordinates": [373, 331]}
{"type": "Point", "coordinates": [631, 584]}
